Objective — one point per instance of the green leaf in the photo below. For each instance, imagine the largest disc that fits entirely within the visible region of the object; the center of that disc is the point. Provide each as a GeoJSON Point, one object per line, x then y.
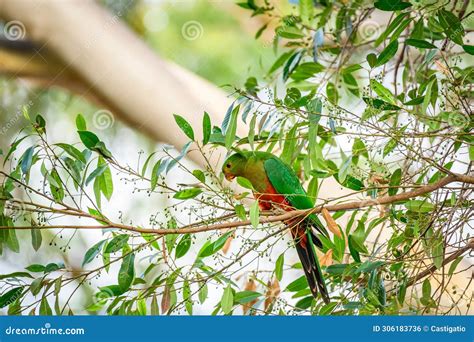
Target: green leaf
{"type": "Point", "coordinates": [35, 268]}
{"type": "Point", "coordinates": [290, 32]}
{"type": "Point", "coordinates": [351, 83]}
{"type": "Point", "coordinates": [379, 104]}
{"type": "Point", "coordinates": [240, 212]}
{"type": "Point", "coordinates": [469, 49]}
{"type": "Point", "coordinates": [73, 152]}
{"type": "Point", "coordinates": [304, 303]}
{"type": "Point", "coordinates": [16, 275]}
{"type": "Point", "coordinates": [419, 43]}
{"type": "Point", "coordinates": [89, 139]}
{"type": "Point", "coordinates": [280, 61]}
{"type": "Point", "coordinates": [306, 70]}
{"type": "Point", "coordinates": [185, 126]}
{"type": "Point", "coordinates": [387, 53]}
{"type": "Point", "coordinates": [415, 101]}
{"type": "Point", "coordinates": [27, 160]}
{"type": "Point", "coordinates": [291, 64]}
{"type": "Point", "coordinates": [279, 266]}
{"type": "Point", "coordinates": [359, 148]}
{"type": "Point", "coordinates": [202, 295]}
{"type": "Point", "coordinates": [391, 5]}
{"type": "Point", "coordinates": [382, 92]}
{"type": "Point", "coordinates": [336, 269]}
{"type": "Point", "coordinates": [145, 165]}
{"type": "Point", "coordinates": [427, 97]}
{"type": "Point", "coordinates": [344, 169]}
{"type": "Point", "coordinates": [36, 285]}
{"type": "Point", "coordinates": [437, 250]}
{"type": "Point", "coordinates": [154, 175]}
{"type": "Point", "coordinates": [183, 246]}
{"type": "Point", "coordinates": [394, 182]}
{"type": "Point", "coordinates": [36, 238]}
{"type": "Point", "coordinates": [11, 296]}
{"type": "Point", "coordinates": [389, 146]}
{"type": "Point", "coordinates": [187, 297]}
{"type": "Point", "coordinates": [187, 193]}
{"type": "Point", "coordinates": [252, 131]}
{"type": "Point", "coordinates": [227, 300]}
{"type": "Point", "coordinates": [12, 241]}
{"type": "Point", "coordinates": [45, 309]}
{"type": "Point", "coordinates": [244, 182]}
{"type": "Point", "coordinates": [102, 150]}
{"type": "Point", "coordinates": [96, 173]}
{"type": "Point", "coordinates": [254, 214]}
{"type": "Point", "coordinates": [154, 309]}
{"type": "Point", "coordinates": [55, 185]}
{"type": "Point", "coordinates": [246, 296]}
{"type": "Point", "coordinates": [393, 25]}
{"type": "Point", "coordinates": [232, 128]}
{"type": "Point", "coordinates": [13, 148]}
{"type": "Point", "coordinates": [357, 240]}
{"type": "Point", "coordinates": [297, 285]}
{"type": "Point", "coordinates": [372, 60]}
{"type": "Point", "coordinates": [206, 128]}
{"type": "Point", "coordinates": [454, 264]}
{"type": "Point", "coordinates": [331, 93]}
{"type": "Point", "coordinates": [127, 272]}
{"type": "Point", "coordinates": [306, 10]}
{"type": "Point", "coordinates": [210, 248]}
{"type": "Point", "coordinates": [92, 252]}
{"type": "Point", "coordinates": [106, 182]}
{"type": "Point", "coordinates": [418, 30]}
{"type": "Point", "coordinates": [419, 206]}
{"type": "Point", "coordinates": [81, 123]}
{"type": "Point", "coordinates": [199, 175]}
{"type": "Point", "coordinates": [369, 266]}
{"type": "Point", "coordinates": [451, 25]}
{"type": "Point", "coordinates": [52, 267]}
{"type": "Point", "coordinates": [117, 243]}
{"type": "Point", "coordinates": [426, 289]}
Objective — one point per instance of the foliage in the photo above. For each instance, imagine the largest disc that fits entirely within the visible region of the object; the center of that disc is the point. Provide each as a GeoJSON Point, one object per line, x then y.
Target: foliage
{"type": "Point", "coordinates": [386, 115]}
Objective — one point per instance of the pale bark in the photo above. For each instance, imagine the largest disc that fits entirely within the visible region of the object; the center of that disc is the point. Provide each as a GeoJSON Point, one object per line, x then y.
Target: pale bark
{"type": "Point", "coordinates": [116, 65]}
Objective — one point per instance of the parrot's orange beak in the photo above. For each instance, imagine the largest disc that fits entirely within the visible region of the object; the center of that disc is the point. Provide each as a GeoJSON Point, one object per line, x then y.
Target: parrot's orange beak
{"type": "Point", "coordinates": [229, 176]}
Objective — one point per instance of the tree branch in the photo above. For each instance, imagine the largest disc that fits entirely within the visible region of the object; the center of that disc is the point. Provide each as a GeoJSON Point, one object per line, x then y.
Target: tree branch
{"type": "Point", "coordinates": [191, 229]}
{"type": "Point", "coordinates": [433, 268]}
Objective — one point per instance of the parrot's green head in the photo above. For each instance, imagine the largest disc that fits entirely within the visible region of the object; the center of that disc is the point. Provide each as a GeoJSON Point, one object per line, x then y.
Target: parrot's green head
{"type": "Point", "coordinates": [234, 166]}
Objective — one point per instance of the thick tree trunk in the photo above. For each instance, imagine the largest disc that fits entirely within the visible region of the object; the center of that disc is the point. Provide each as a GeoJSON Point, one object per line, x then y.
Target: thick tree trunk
{"type": "Point", "coordinates": [118, 67]}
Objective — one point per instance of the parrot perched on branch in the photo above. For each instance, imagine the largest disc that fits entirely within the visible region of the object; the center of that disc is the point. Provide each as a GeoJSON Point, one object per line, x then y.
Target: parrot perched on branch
{"type": "Point", "coordinates": [276, 185]}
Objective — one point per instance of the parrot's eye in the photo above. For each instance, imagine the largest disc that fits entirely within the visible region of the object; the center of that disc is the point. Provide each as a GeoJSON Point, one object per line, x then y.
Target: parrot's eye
{"type": "Point", "coordinates": [228, 166]}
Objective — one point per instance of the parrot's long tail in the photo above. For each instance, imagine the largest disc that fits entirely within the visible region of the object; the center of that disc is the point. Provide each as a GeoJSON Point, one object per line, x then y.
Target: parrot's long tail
{"type": "Point", "coordinates": [305, 246]}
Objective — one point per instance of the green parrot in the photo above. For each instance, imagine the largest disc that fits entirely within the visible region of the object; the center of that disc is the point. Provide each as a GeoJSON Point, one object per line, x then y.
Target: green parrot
{"type": "Point", "coordinates": [276, 185]}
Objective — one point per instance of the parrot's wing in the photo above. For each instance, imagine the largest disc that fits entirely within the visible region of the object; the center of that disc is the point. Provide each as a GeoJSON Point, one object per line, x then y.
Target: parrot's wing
{"type": "Point", "coordinates": [285, 182]}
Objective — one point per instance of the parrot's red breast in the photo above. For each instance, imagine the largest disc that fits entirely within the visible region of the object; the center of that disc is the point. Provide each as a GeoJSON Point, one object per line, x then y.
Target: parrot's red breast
{"type": "Point", "coordinates": [270, 198]}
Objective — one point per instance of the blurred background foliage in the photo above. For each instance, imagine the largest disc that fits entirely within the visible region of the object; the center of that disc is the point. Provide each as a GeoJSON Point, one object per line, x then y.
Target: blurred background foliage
{"type": "Point", "coordinates": [225, 52]}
